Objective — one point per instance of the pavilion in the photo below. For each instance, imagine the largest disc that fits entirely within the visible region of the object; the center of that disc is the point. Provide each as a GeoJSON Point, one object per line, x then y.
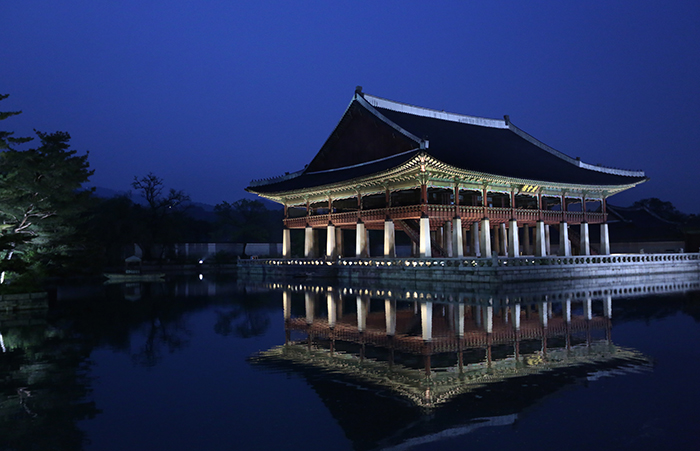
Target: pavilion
{"type": "Point", "coordinates": [456, 185]}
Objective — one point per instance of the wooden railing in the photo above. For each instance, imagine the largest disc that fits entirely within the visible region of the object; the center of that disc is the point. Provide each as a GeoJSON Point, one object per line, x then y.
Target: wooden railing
{"type": "Point", "coordinates": [441, 213]}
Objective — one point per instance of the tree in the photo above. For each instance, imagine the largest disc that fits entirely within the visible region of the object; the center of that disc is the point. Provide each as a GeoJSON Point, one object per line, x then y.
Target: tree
{"type": "Point", "coordinates": [6, 138]}
{"type": "Point", "coordinates": [41, 199]}
{"type": "Point", "coordinates": [162, 213]}
{"type": "Point", "coordinates": [663, 209]}
{"type": "Point", "coordinates": [245, 221]}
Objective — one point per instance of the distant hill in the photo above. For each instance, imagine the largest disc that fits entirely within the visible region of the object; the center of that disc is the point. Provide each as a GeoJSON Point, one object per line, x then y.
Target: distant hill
{"type": "Point", "coordinates": [197, 210]}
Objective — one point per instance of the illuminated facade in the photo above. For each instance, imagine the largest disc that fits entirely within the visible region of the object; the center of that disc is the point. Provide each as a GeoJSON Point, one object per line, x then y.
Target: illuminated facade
{"type": "Point", "coordinates": [455, 185]}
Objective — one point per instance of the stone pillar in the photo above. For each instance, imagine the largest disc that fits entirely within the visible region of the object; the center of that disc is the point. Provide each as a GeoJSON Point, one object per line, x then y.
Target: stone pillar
{"type": "Point", "coordinates": [503, 237]}
{"type": "Point", "coordinates": [447, 238]}
{"type": "Point", "coordinates": [332, 310]}
{"type": "Point", "coordinates": [389, 239]}
{"type": "Point", "coordinates": [460, 320]}
{"type": "Point", "coordinates": [309, 242]}
{"type": "Point", "coordinates": [604, 239]}
{"type": "Point", "coordinates": [585, 239]}
{"type": "Point", "coordinates": [425, 250]}
{"type": "Point", "coordinates": [488, 323]}
{"type": "Point", "coordinates": [362, 310]}
{"type": "Point", "coordinates": [588, 308]}
{"type": "Point", "coordinates": [547, 240]}
{"type": "Point", "coordinates": [485, 238]}
{"type": "Point", "coordinates": [457, 234]}
{"type": "Point", "coordinates": [564, 243]}
{"type": "Point", "coordinates": [465, 242]}
{"type": "Point", "coordinates": [540, 240]}
{"type": "Point", "coordinates": [513, 239]}
{"type": "Point", "coordinates": [544, 314]}
{"type": "Point", "coordinates": [426, 320]}
{"type": "Point", "coordinates": [567, 310]}
{"type": "Point", "coordinates": [476, 247]}
{"type": "Point", "coordinates": [339, 242]}
{"type": "Point", "coordinates": [495, 240]}
{"type": "Point", "coordinates": [287, 304]}
{"type": "Point", "coordinates": [527, 249]}
{"type": "Point", "coordinates": [516, 316]}
{"type": "Point", "coordinates": [361, 242]}
{"type": "Point", "coordinates": [390, 315]}
{"type": "Point", "coordinates": [309, 306]}
{"type": "Point", "coordinates": [286, 243]}
{"type": "Point", "coordinates": [607, 306]}
{"type": "Point", "coordinates": [330, 241]}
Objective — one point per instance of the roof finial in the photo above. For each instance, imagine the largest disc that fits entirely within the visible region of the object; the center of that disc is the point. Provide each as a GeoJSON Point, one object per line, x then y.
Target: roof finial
{"type": "Point", "coordinates": [358, 90]}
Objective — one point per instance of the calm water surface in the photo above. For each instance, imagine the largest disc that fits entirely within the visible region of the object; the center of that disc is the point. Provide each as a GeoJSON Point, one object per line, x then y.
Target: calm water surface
{"type": "Point", "coordinates": [224, 365]}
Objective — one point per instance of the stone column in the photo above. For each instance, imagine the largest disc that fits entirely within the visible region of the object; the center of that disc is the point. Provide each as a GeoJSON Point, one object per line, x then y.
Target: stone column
{"type": "Point", "coordinates": [527, 250]}
{"type": "Point", "coordinates": [339, 242]}
{"type": "Point", "coordinates": [485, 238]}
{"type": "Point", "coordinates": [604, 239]}
{"type": "Point", "coordinates": [286, 243]}
{"type": "Point", "coordinates": [309, 306]}
{"type": "Point", "coordinates": [389, 239]}
{"type": "Point", "coordinates": [287, 304]}
{"type": "Point", "coordinates": [465, 242]}
{"type": "Point", "coordinates": [564, 243]}
{"type": "Point", "coordinates": [607, 306]}
{"type": "Point", "coordinates": [488, 323]}
{"type": "Point", "coordinates": [544, 314]}
{"type": "Point", "coordinates": [361, 244]}
{"type": "Point", "coordinates": [447, 238]}
{"type": "Point", "coordinates": [476, 247]}
{"type": "Point", "coordinates": [330, 241]}
{"type": "Point", "coordinates": [567, 310]}
{"type": "Point", "coordinates": [496, 242]}
{"type": "Point", "coordinates": [513, 239]}
{"type": "Point", "coordinates": [309, 242]}
{"type": "Point", "coordinates": [588, 308]}
{"type": "Point", "coordinates": [516, 316]}
{"type": "Point", "coordinates": [457, 234]}
{"type": "Point", "coordinates": [425, 250]}
{"type": "Point", "coordinates": [390, 315]}
{"type": "Point", "coordinates": [460, 320]}
{"type": "Point", "coordinates": [540, 240]}
{"type": "Point", "coordinates": [547, 240]}
{"type": "Point", "coordinates": [503, 237]}
{"type": "Point", "coordinates": [362, 310]}
{"type": "Point", "coordinates": [426, 320]}
{"type": "Point", "coordinates": [585, 239]}
{"type": "Point", "coordinates": [332, 310]}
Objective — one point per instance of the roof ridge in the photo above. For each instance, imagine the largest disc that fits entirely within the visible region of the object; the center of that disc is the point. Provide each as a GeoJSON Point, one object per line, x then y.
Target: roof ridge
{"type": "Point", "coordinates": [400, 107]}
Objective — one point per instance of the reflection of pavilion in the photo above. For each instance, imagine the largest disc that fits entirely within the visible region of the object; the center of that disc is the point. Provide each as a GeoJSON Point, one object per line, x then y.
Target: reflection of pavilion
{"type": "Point", "coordinates": [466, 364]}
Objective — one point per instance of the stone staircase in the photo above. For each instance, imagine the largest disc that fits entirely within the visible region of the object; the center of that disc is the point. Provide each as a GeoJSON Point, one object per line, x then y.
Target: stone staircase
{"type": "Point", "coordinates": [412, 229]}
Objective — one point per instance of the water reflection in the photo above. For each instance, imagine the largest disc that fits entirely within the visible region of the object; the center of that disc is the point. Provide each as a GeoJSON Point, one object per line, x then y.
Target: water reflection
{"type": "Point", "coordinates": [399, 367]}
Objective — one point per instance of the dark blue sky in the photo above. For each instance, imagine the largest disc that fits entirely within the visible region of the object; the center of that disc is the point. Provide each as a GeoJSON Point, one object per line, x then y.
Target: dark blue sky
{"type": "Point", "coordinates": [211, 94]}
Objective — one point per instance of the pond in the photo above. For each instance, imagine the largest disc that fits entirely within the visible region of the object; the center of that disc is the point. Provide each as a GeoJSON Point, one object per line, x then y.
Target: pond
{"type": "Point", "coordinates": [214, 363]}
